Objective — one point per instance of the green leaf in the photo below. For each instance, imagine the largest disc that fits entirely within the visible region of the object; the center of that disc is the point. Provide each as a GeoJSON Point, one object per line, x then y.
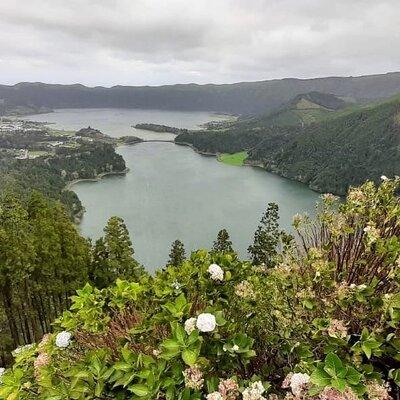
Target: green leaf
{"type": "Point", "coordinates": [180, 334]}
{"type": "Point", "coordinates": [320, 378]}
{"type": "Point", "coordinates": [189, 356]}
{"type": "Point", "coordinates": [171, 345]}
{"type": "Point", "coordinates": [333, 365]}
{"type": "Point", "coordinates": [139, 390]}
{"type": "Point", "coordinates": [353, 376]}
{"type": "Point", "coordinates": [339, 384]}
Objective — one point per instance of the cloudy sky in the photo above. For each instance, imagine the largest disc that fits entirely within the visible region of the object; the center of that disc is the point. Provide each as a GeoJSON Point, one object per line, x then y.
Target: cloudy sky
{"type": "Point", "coordinates": [153, 42]}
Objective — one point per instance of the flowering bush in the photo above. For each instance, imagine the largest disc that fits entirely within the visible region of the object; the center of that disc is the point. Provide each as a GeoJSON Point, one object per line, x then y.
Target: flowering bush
{"type": "Point", "coordinates": [322, 323]}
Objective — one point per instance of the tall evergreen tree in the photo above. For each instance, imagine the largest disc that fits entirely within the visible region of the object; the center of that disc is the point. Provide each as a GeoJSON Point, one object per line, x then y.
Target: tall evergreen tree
{"type": "Point", "coordinates": [177, 254]}
{"type": "Point", "coordinates": [16, 258]}
{"type": "Point", "coordinates": [223, 243]}
{"type": "Point", "coordinates": [43, 259]}
{"type": "Point", "coordinates": [266, 238]}
{"type": "Point", "coordinates": [113, 255]}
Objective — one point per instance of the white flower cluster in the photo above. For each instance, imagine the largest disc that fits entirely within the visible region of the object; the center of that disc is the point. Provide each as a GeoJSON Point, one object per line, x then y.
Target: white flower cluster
{"type": "Point", "coordinates": [298, 383]}
{"type": "Point", "coordinates": [216, 272]}
{"type": "Point", "coordinates": [190, 325]}
{"type": "Point", "coordinates": [206, 322]}
{"type": "Point", "coordinates": [63, 339]}
{"type": "Point", "coordinates": [21, 349]}
{"type": "Point", "coordinates": [254, 392]}
{"type": "Point", "coordinates": [2, 371]}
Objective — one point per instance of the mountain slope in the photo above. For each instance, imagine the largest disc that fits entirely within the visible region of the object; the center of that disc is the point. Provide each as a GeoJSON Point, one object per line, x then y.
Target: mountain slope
{"type": "Point", "coordinates": [329, 156]}
{"type": "Point", "coordinates": [304, 109]}
{"type": "Point", "coordinates": [337, 153]}
{"type": "Point", "coordinates": [239, 98]}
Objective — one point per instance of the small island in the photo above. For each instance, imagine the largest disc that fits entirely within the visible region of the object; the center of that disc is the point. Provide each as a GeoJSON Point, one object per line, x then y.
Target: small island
{"type": "Point", "coordinates": [160, 128]}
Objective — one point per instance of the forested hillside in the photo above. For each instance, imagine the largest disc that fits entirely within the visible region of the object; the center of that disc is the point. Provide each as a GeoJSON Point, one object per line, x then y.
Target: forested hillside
{"type": "Point", "coordinates": [329, 155]}
{"type": "Point", "coordinates": [239, 98]}
{"type": "Point", "coordinates": [343, 152]}
{"type": "Point", "coordinates": [43, 260]}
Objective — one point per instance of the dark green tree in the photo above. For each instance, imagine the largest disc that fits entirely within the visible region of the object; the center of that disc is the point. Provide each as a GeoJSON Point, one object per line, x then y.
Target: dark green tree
{"type": "Point", "coordinates": [177, 254]}
{"type": "Point", "coordinates": [266, 238]}
{"type": "Point", "coordinates": [113, 255]}
{"type": "Point", "coordinates": [223, 243]}
{"type": "Point", "coordinates": [43, 259]}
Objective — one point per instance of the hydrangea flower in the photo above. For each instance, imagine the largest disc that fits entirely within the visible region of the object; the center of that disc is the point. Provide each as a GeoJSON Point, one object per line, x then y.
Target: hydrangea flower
{"type": "Point", "coordinates": [206, 322]}
{"type": "Point", "coordinates": [337, 328]}
{"type": "Point", "coordinates": [376, 391]}
{"type": "Point", "coordinates": [214, 396]}
{"type": "Point", "coordinates": [190, 325]}
{"type": "Point", "coordinates": [229, 389]}
{"type": "Point", "coordinates": [254, 392]}
{"type": "Point", "coordinates": [21, 349]}
{"type": "Point", "coordinates": [45, 339]}
{"type": "Point", "coordinates": [334, 394]}
{"type": "Point", "coordinates": [297, 383]}
{"type": "Point", "coordinates": [216, 272]}
{"type": "Point", "coordinates": [193, 377]}
{"type": "Point", "coordinates": [42, 360]}
{"type": "Point", "coordinates": [63, 339]}
{"type": "Point", "coordinates": [244, 290]}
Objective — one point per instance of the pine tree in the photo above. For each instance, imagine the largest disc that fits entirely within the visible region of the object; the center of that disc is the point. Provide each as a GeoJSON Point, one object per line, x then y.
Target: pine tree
{"type": "Point", "coordinates": [113, 255]}
{"type": "Point", "coordinates": [223, 243]}
{"type": "Point", "coordinates": [266, 238]}
{"type": "Point", "coordinates": [177, 254]}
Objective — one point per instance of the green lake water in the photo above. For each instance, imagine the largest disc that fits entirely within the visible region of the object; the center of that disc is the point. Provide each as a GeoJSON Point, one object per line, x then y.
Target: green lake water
{"type": "Point", "coordinates": [171, 192]}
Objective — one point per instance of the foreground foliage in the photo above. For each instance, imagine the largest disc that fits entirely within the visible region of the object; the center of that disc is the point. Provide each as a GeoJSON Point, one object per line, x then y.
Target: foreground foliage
{"type": "Point", "coordinates": [319, 320]}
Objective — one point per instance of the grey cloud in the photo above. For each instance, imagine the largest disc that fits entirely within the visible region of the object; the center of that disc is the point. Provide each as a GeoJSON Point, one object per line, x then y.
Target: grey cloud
{"type": "Point", "coordinates": [168, 41]}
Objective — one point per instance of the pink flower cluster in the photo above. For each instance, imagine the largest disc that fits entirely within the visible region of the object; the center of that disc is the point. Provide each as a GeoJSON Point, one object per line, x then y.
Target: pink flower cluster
{"type": "Point", "coordinates": [228, 389]}
{"type": "Point", "coordinates": [337, 329]}
{"type": "Point", "coordinates": [43, 359]}
{"type": "Point", "coordinates": [334, 394]}
{"type": "Point", "coordinates": [193, 378]}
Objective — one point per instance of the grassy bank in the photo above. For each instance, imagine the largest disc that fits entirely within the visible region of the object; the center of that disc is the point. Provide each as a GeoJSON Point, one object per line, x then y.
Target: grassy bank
{"type": "Point", "coordinates": [236, 159]}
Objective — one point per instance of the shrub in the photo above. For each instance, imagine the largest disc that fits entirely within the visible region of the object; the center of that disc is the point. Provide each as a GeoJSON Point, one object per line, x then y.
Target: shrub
{"type": "Point", "coordinates": [323, 323]}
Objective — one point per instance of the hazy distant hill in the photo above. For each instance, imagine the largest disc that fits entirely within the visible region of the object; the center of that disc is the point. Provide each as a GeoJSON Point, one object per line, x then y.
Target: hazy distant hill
{"type": "Point", "coordinates": [239, 98]}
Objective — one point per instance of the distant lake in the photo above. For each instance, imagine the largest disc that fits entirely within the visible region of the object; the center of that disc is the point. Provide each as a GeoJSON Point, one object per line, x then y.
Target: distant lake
{"type": "Point", "coordinates": [171, 192]}
{"type": "Point", "coordinates": [118, 122]}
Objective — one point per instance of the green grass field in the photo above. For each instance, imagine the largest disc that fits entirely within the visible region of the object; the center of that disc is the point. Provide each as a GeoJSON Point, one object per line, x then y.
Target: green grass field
{"type": "Point", "coordinates": [236, 159]}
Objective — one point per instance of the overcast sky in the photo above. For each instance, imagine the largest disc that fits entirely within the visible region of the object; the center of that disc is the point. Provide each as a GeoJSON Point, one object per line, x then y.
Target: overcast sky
{"type": "Point", "coordinates": [153, 42]}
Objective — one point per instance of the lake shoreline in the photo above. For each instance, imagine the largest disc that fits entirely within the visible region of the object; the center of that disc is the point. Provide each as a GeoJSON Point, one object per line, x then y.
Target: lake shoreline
{"type": "Point", "coordinates": [97, 178]}
{"type": "Point", "coordinates": [254, 164]}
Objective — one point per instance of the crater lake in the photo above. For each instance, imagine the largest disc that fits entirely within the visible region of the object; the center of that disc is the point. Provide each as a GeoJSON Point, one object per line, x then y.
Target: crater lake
{"type": "Point", "coordinates": [171, 192]}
